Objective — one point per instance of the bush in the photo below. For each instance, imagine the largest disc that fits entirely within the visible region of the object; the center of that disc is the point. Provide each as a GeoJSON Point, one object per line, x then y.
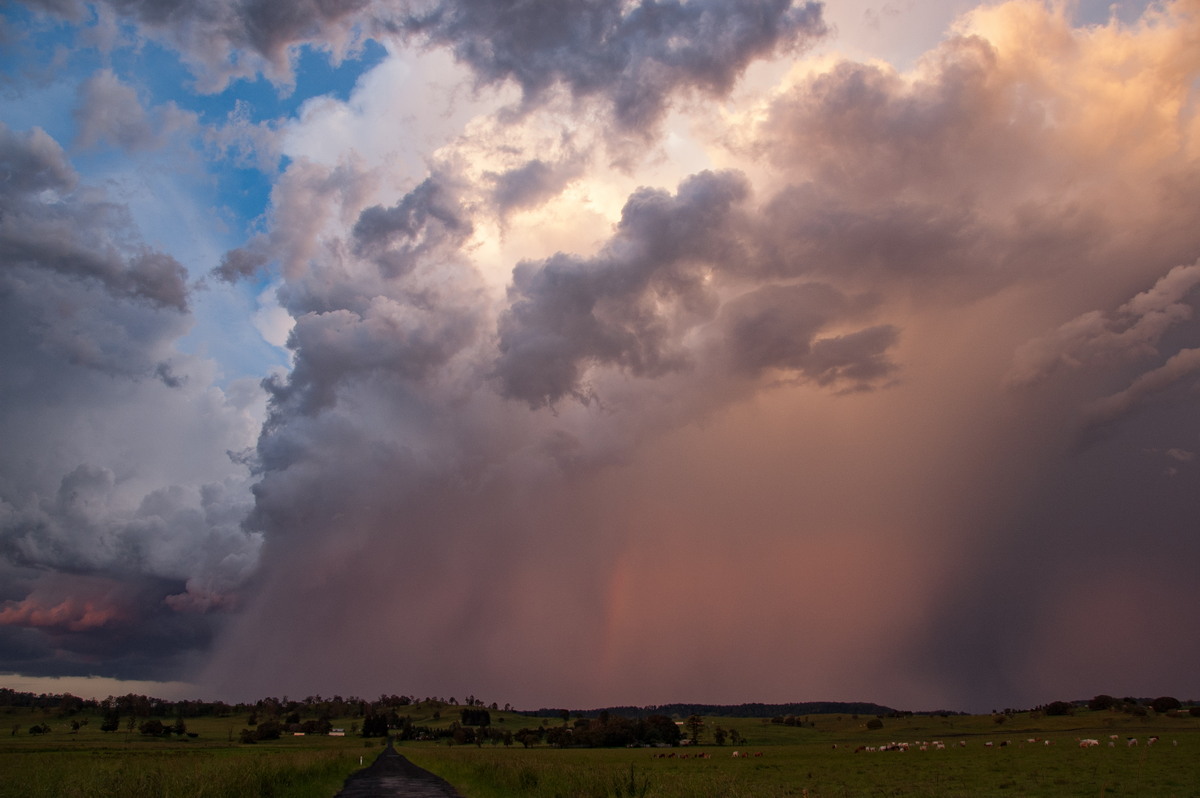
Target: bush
{"type": "Point", "coordinates": [154, 727]}
{"type": "Point", "coordinates": [875, 723]}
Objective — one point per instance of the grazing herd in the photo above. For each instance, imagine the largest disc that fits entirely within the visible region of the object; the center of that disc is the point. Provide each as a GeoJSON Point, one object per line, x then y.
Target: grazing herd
{"type": "Point", "coordinates": [929, 745]}
{"type": "Point", "coordinates": [1130, 742]}
{"type": "Point", "coordinates": [938, 745]}
{"type": "Point", "coordinates": [705, 755]}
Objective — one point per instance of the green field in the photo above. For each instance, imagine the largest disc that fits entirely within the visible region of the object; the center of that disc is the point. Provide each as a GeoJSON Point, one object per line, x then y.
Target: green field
{"type": "Point", "coordinates": [816, 758]}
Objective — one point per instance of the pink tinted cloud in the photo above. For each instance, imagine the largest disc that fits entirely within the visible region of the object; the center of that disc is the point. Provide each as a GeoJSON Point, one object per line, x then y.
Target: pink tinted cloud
{"type": "Point", "coordinates": [71, 614]}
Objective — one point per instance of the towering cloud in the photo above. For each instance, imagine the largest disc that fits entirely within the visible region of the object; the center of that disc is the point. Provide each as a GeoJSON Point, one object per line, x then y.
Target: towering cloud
{"type": "Point", "coordinates": [120, 511]}
{"type": "Point", "coordinates": [892, 366]}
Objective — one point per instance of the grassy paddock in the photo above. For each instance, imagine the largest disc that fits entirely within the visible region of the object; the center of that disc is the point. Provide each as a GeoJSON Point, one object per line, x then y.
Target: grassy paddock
{"type": "Point", "coordinates": [815, 760]}
{"type": "Point", "coordinates": [803, 761]}
{"type": "Point", "coordinates": [89, 763]}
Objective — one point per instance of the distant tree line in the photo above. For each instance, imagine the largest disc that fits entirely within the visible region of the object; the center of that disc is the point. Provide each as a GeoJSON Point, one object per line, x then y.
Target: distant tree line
{"type": "Point", "coordinates": [267, 718]}
{"type": "Point", "coordinates": [753, 710]}
{"type": "Point", "coordinates": [607, 730]}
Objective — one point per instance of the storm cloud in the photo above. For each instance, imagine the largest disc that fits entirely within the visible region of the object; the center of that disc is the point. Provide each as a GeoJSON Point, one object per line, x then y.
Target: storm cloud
{"type": "Point", "coordinates": [120, 513]}
{"type": "Point", "coordinates": [898, 366]}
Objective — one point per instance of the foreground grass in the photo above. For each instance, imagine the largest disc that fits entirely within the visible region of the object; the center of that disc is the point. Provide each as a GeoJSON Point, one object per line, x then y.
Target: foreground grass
{"type": "Point", "coordinates": [199, 774]}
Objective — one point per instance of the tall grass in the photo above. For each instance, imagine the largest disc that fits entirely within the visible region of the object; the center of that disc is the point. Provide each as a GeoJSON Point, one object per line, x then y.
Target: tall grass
{"type": "Point", "coordinates": [278, 774]}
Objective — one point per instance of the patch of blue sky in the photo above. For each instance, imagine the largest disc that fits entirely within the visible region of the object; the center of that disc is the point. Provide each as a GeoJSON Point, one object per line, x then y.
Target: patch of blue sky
{"type": "Point", "coordinates": [181, 199]}
{"type": "Point", "coordinates": [1099, 12]}
{"type": "Point", "coordinates": [160, 71]}
{"type": "Point", "coordinates": [43, 61]}
{"type": "Point", "coordinates": [225, 329]}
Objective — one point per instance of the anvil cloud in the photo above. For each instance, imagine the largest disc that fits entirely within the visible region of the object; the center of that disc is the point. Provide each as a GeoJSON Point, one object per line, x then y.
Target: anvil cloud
{"type": "Point", "coordinates": [601, 353]}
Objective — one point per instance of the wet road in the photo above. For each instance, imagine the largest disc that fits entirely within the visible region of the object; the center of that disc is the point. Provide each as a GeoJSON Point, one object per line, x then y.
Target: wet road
{"type": "Point", "coordinates": [392, 776]}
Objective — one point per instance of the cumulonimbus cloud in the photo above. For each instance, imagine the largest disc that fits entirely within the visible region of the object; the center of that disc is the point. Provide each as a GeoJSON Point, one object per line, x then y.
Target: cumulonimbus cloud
{"type": "Point", "coordinates": [825, 371]}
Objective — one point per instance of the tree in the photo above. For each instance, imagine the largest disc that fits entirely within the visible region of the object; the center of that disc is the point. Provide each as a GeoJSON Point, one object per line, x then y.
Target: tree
{"type": "Point", "coordinates": [875, 723]}
{"type": "Point", "coordinates": [152, 727]}
{"type": "Point", "coordinates": [719, 735]}
{"type": "Point", "coordinates": [1059, 708]}
{"type": "Point", "coordinates": [559, 736]}
{"type": "Point", "coordinates": [528, 737]}
{"type": "Point", "coordinates": [1102, 702]}
{"type": "Point", "coordinates": [476, 717]}
{"type": "Point", "coordinates": [375, 726]}
{"type": "Point", "coordinates": [269, 730]}
{"type": "Point", "coordinates": [735, 737]}
{"type": "Point", "coordinates": [1165, 704]}
{"type": "Point", "coordinates": [695, 727]}
{"type": "Point", "coordinates": [656, 729]}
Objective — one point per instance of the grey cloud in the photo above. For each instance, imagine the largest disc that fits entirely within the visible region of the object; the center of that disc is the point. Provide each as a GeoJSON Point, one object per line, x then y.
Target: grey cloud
{"type": "Point", "coordinates": [1108, 409]}
{"type": "Point", "coordinates": [232, 39]}
{"type": "Point", "coordinates": [375, 308]}
{"type": "Point", "coordinates": [936, 135]}
{"type": "Point", "coordinates": [638, 55]}
{"type": "Point", "coordinates": [425, 220]}
{"type": "Point", "coordinates": [242, 262]}
{"type": "Point", "coordinates": [533, 183]}
{"type": "Point", "coordinates": [813, 229]}
{"type": "Point", "coordinates": [119, 509]}
{"type": "Point", "coordinates": [303, 200]}
{"type": "Point", "coordinates": [661, 279]}
{"type": "Point", "coordinates": [337, 348]}
{"type": "Point", "coordinates": [33, 163]}
{"type": "Point", "coordinates": [110, 111]}
{"type": "Point", "coordinates": [1132, 332]}
{"type": "Point", "coordinates": [174, 533]}
{"type": "Point", "coordinates": [74, 10]}
{"type": "Point", "coordinates": [779, 327]}
{"type": "Point", "coordinates": [81, 626]}
{"type": "Point", "coordinates": [49, 224]}
{"type": "Point", "coordinates": [625, 307]}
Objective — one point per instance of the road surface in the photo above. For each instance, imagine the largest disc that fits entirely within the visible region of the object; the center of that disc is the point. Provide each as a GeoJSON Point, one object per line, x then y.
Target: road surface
{"type": "Point", "coordinates": [393, 776]}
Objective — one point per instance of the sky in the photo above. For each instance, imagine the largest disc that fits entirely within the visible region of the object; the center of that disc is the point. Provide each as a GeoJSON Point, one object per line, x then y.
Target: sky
{"type": "Point", "coordinates": [601, 353]}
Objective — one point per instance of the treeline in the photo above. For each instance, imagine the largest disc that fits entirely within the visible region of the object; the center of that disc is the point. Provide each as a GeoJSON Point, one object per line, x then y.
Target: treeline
{"type": "Point", "coordinates": [354, 707]}
{"type": "Point", "coordinates": [1162, 705]}
{"type": "Point", "coordinates": [607, 730]}
{"type": "Point", "coordinates": [267, 718]}
{"type": "Point", "coordinates": [726, 710]}
{"type": "Point", "coordinates": [143, 706]}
